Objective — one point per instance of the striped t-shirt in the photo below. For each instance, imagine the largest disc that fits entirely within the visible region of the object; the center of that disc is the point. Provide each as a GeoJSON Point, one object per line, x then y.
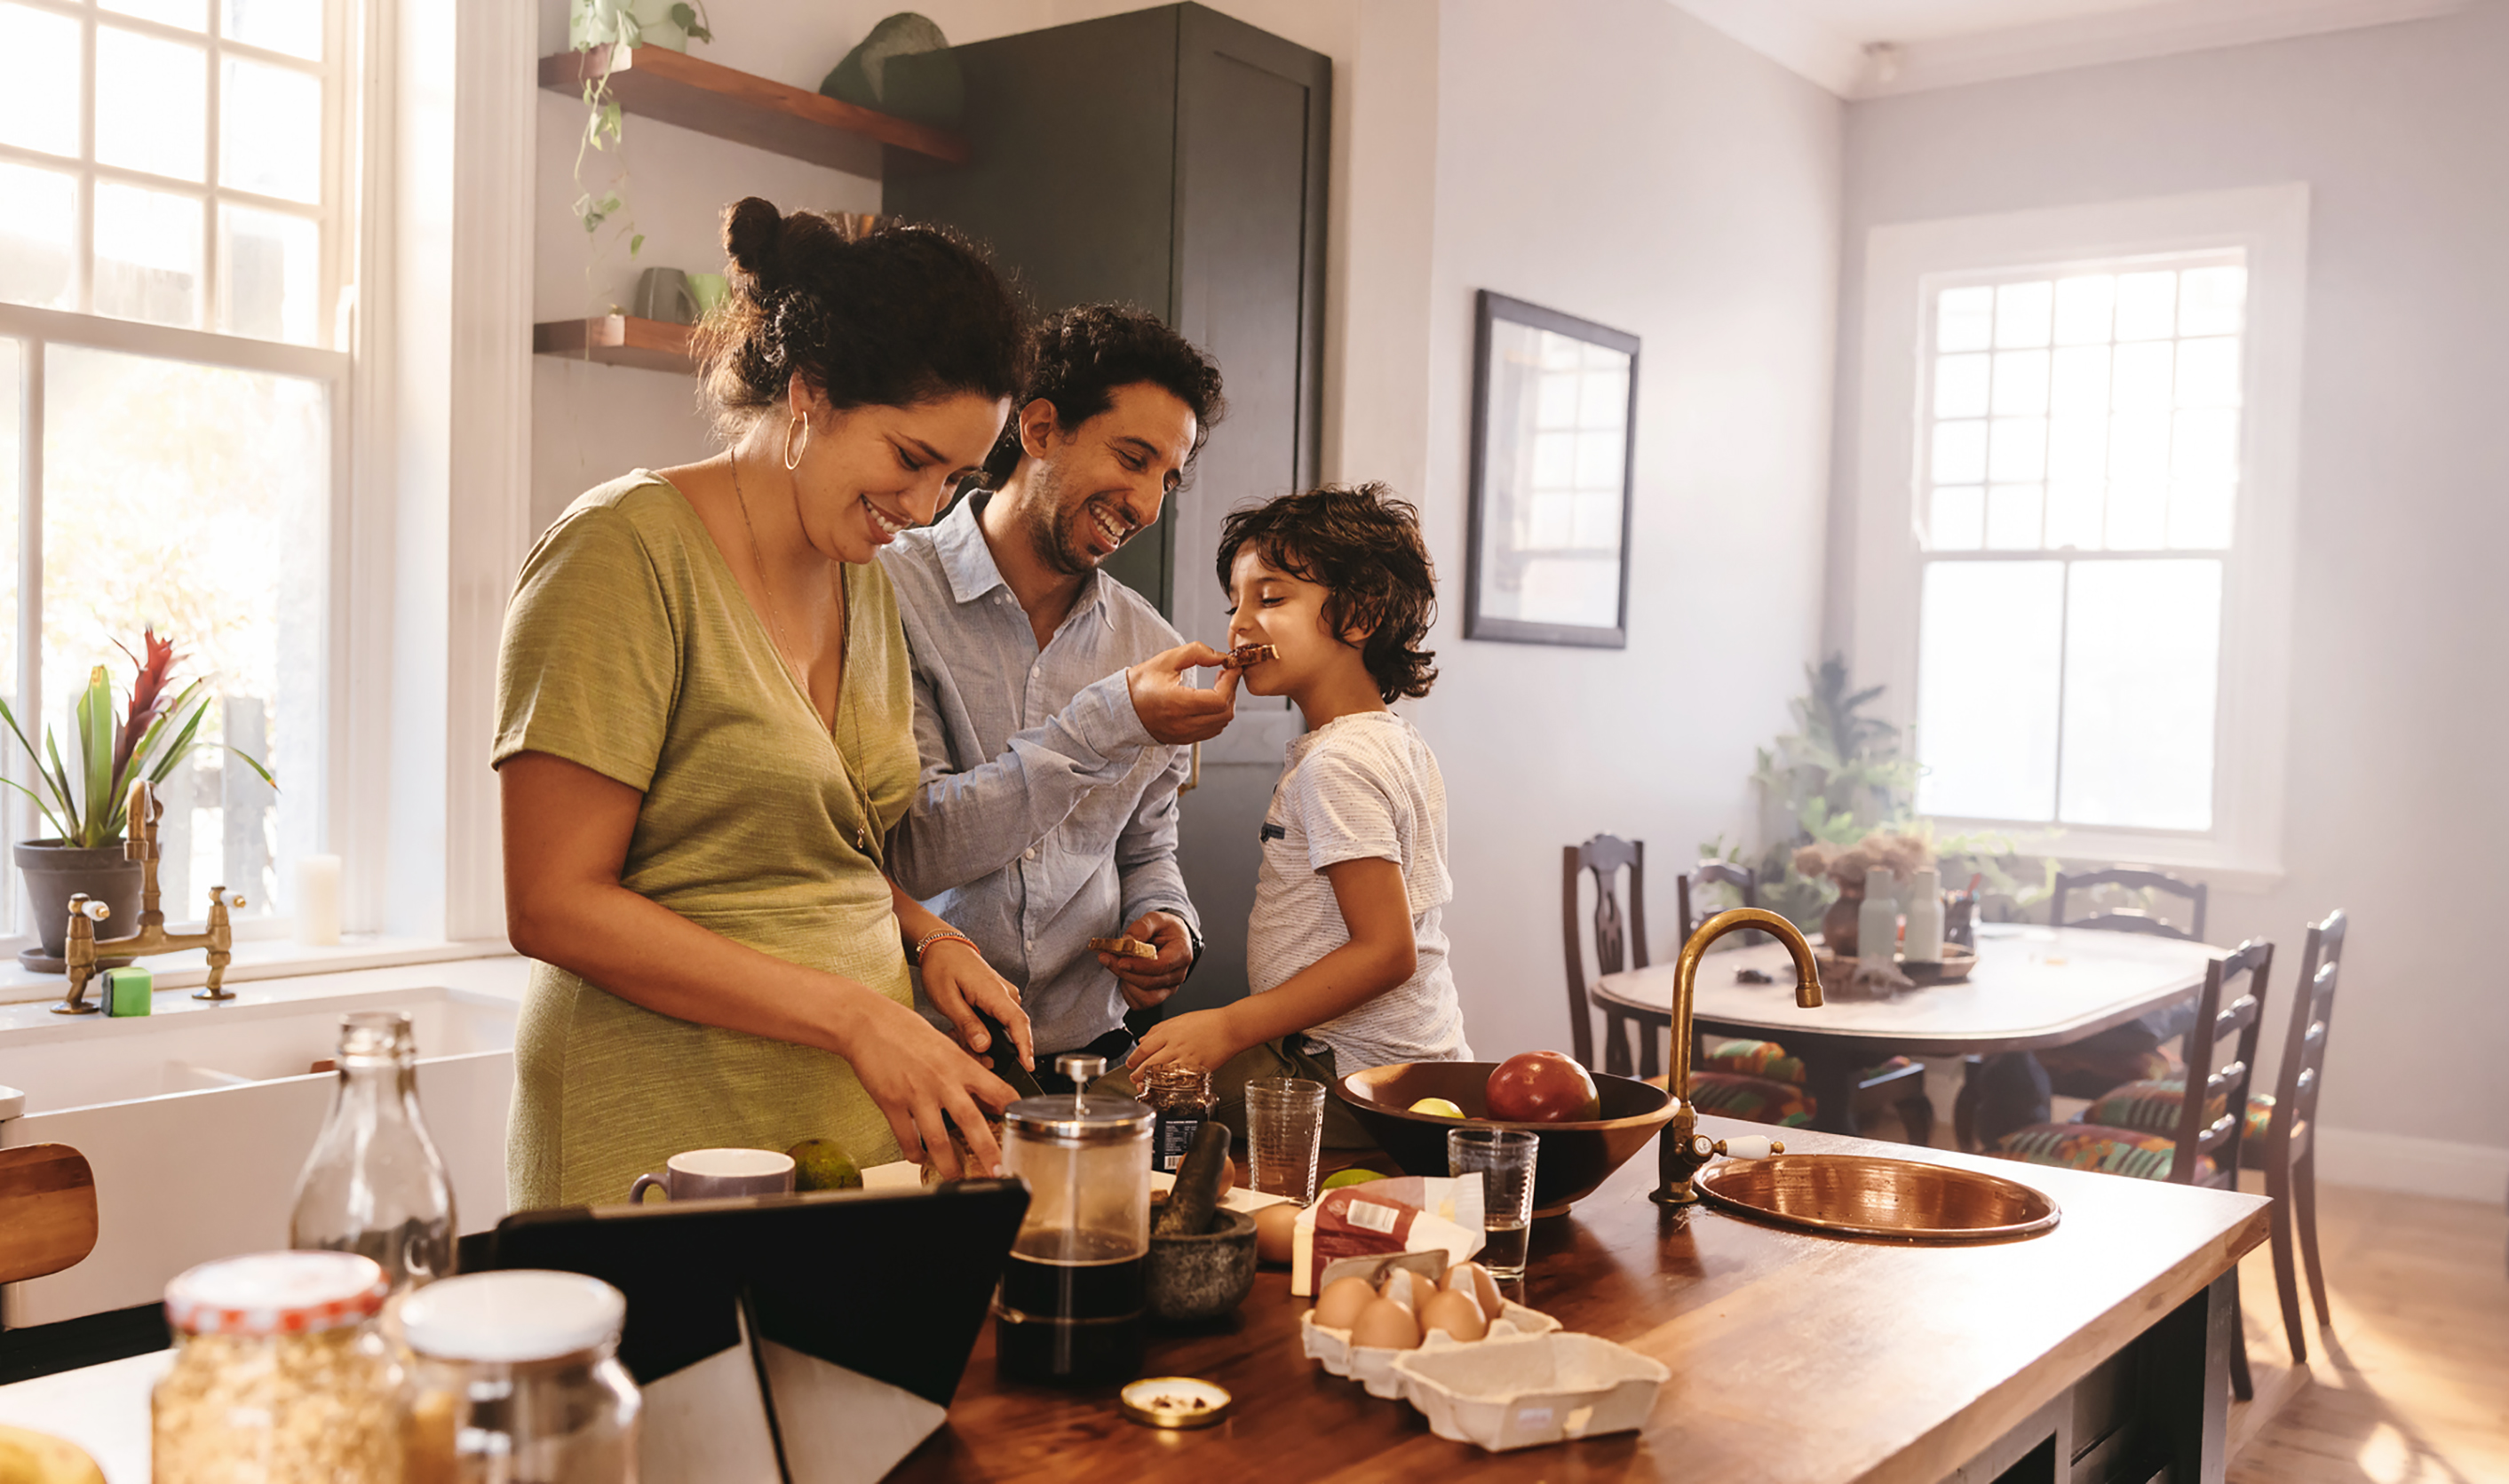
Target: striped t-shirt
{"type": "Point", "coordinates": [1360, 787]}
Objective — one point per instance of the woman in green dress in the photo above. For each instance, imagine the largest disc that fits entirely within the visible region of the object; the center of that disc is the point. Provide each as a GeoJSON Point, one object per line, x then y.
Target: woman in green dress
{"type": "Point", "coordinates": [704, 735]}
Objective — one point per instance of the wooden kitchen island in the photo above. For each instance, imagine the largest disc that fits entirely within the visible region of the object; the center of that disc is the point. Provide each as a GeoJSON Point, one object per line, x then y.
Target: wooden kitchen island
{"type": "Point", "coordinates": [2098, 1351]}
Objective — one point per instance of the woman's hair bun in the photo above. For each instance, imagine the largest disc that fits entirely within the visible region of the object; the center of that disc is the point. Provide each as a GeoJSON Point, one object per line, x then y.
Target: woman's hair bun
{"type": "Point", "coordinates": [752, 228]}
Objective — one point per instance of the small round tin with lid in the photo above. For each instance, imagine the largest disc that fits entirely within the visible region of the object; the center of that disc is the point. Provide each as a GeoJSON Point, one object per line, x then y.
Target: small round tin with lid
{"type": "Point", "coordinates": [1174, 1402]}
{"type": "Point", "coordinates": [278, 1374]}
{"type": "Point", "coordinates": [515, 1376]}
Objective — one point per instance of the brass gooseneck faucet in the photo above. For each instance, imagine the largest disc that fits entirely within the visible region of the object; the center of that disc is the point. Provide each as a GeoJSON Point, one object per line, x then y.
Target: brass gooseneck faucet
{"type": "Point", "coordinates": [84, 948]}
{"type": "Point", "coordinates": [1683, 1151]}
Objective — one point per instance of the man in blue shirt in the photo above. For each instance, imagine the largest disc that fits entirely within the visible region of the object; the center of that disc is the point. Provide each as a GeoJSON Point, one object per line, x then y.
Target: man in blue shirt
{"type": "Point", "coordinates": [1052, 705]}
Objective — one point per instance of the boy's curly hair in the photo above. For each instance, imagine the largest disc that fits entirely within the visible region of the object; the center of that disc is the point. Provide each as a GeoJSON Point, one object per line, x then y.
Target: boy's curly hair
{"type": "Point", "coordinates": [1361, 545]}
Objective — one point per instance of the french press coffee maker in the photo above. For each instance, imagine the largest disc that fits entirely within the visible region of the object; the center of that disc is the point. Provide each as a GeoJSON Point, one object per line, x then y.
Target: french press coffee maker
{"type": "Point", "coordinates": [1072, 1302]}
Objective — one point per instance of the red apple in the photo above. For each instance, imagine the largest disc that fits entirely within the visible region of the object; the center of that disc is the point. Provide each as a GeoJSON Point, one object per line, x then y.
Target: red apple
{"type": "Point", "coordinates": [1543, 1087]}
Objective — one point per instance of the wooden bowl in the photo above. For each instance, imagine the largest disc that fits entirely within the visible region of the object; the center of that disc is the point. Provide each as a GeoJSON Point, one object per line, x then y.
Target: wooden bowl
{"type": "Point", "coordinates": [1573, 1158]}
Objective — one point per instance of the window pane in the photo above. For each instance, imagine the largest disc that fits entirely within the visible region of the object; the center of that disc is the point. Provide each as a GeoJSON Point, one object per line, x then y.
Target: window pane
{"type": "Point", "coordinates": [38, 237]}
{"type": "Point", "coordinates": [2018, 449]}
{"type": "Point", "coordinates": [2199, 513]}
{"type": "Point", "coordinates": [1960, 385]}
{"type": "Point", "coordinates": [2082, 308]}
{"type": "Point", "coordinates": [194, 499]}
{"type": "Point", "coordinates": [1964, 319]}
{"type": "Point", "coordinates": [2080, 381]}
{"type": "Point", "coordinates": [147, 254]}
{"type": "Point", "coordinates": [2147, 304]}
{"type": "Point", "coordinates": [2012, 517]}
{"type": "Point", "coordinates": [2021, 383]}
{"type": "Point", "coordinates": [151, 104]}
{"type": "Point", "coordinates": [2078, 448]}
{"type": "Point", "coordinates": [190, 15]}
{"type": "Point", "coordinates": [2208, 372]}
{"type": "Point", "coordinates": [2206, 444]}
{"type": "Point", "coordinates": [1960, 453]}
{"type": "Point", "coordinates": [2138, 513]}
{"type": "Point", "coordinates": [2142, 382]}
{"type": "Point", "coordinates": [1987, 659]}
{"type": "Point", "coordinates": [2021, 313]}
{"type": "Point", "coordinates": [2074, 510]}
{"type": "Point", "coordinates": [2211, 301]}
{"type": "Point", "coordinates": [2142, 646]}
{"type": "Point", "coordinates": [271, 137]}
{"type": "Point", "coordinates": [269, 268]}
{"type": "Point", "coordinates": [40, 76]}
{"type": "Point", "coordinates": [1959, 519]}
{"type": "Point", "coordinates": [293, 26]}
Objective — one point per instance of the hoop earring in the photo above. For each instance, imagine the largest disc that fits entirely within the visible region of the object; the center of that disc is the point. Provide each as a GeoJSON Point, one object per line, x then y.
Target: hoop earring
{"type": "Point", "coordinates": [793, 457]}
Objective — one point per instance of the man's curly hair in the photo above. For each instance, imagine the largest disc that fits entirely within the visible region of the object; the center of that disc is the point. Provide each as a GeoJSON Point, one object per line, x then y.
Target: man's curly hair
{"type": "Point", "coordinates": [1361, 546]}
{"type": "Point", "coordinates": [1078, 357]}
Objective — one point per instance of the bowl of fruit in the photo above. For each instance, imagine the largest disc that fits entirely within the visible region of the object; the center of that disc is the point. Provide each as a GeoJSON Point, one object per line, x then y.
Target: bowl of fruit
{"type": "Point", "coordinates": [1588, 1125]}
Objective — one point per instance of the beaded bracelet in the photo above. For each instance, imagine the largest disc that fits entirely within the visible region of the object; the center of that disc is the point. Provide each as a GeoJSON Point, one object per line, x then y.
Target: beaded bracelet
{"type": "Point", "coordinates": [924, 944]}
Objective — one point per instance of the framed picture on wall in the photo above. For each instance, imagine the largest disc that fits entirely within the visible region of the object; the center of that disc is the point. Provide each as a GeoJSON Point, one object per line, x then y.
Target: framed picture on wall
{"type": "Point", "coordinates": [1555, 419]}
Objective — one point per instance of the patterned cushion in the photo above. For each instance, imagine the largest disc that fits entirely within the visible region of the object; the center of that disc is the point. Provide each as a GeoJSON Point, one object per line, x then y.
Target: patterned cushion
{"type": "Point", "coordinates": [1730, 1094]}
{"type": "Point", "coordinates": [2153, 1106]}
{"type": "Point", "coordinates": [2092, 1146]}
{"type": "Point", "coordinates": [1767, 1059]}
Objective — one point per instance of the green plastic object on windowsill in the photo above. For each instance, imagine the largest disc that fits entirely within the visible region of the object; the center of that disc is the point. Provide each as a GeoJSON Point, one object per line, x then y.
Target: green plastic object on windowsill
{"type": "Point", "coordinates": [127, 991]}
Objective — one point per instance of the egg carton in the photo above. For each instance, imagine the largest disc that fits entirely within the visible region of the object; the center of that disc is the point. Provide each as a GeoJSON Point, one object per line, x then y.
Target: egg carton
{"type": "Point", "coordinates": [1529, 1389]}
{"type": "Point", "coordinates": [1373, 1365]}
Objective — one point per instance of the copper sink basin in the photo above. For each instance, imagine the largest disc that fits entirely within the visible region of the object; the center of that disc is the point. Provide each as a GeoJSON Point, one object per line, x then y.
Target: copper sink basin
{"type": "Point", "coordinates": [1851, 1194]}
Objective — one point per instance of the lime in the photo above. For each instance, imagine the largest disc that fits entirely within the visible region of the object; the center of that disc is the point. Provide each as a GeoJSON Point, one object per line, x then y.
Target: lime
{"type": "Point", "coordinates": [1341, 1177]}
{"type": "Point", "coordinates": [822, 1163]}
{"type": "Point", "coordinates": [1436, 1106]}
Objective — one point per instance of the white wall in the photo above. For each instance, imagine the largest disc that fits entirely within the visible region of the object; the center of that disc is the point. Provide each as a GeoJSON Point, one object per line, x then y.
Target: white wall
{"type": "Point", "coordinates": [2395, 810]}
{"type": "Point", "coordinates": [1619, 161]}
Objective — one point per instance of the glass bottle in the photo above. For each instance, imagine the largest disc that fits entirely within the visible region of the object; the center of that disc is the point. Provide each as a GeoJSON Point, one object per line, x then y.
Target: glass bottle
{"type": "Point", "coordinates": [515, 1379]}
{"type": "Point", "coordinates": [1182, 1098]}
{"type": "Point", "coordinates": [1072, 1301]}
{"type": "Point", "coordinates": [374, 1183]}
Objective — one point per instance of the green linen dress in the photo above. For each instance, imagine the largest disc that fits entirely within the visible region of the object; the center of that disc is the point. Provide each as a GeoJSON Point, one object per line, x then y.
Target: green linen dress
{"type": "Point", "coordinates": [631, 649]}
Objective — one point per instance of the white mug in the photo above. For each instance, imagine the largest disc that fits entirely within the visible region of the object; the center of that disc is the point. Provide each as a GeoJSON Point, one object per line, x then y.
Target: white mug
{"type": "Point", "coordinates": [706, 1174]}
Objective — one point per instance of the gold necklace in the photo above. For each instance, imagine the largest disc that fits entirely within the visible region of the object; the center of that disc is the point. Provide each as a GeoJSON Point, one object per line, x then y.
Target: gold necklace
{"type": "Point", "coordinates": [783, 647]}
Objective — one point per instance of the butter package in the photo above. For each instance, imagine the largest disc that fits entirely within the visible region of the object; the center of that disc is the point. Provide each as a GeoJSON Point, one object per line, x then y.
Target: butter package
{"type": "Point", "coordinates": [127, 991]}
{"type": "Point", "coordinates": [1411, 1213]}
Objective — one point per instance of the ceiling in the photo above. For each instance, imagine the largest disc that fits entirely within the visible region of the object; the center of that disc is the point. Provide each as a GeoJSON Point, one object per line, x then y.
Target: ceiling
{"type": "Point", "coordinates": [1871, 47]}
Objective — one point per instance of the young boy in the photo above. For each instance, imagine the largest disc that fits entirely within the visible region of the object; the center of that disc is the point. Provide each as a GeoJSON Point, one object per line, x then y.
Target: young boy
{"type": "Point", "coordinates": [1346, 958]}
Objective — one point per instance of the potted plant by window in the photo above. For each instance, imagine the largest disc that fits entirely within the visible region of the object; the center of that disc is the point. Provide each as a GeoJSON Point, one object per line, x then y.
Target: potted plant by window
{"type": "Point", "coordinates": [86, 805]}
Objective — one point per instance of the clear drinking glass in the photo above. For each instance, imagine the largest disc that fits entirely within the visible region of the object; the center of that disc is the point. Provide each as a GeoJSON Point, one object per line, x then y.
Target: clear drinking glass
{"type": "Point", "coordinates": [1504, 1160]}
{"type": "Point", "coordinates": [1285, 1132]}
{"type": "Point", "coordinates": [374, 1183]}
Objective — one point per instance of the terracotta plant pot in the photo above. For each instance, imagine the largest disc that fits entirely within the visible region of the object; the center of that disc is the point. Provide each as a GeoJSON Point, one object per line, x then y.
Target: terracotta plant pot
{"type": "Point", "coordinates": [53, 872]}
{"type": "Point", "coordinates": [1838, 926]}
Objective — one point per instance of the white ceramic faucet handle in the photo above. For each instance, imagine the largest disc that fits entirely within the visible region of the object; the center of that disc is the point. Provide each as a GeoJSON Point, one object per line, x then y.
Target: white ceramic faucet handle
{"type": "Point", "coordinates": [1754, 1146]}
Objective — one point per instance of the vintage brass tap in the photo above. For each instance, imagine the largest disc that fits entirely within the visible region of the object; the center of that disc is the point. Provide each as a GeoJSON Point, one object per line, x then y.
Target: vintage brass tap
{"type": "Point", "coordinates": [84, 948]}
{"type": "Point", "coordinates": [1683, 1151]}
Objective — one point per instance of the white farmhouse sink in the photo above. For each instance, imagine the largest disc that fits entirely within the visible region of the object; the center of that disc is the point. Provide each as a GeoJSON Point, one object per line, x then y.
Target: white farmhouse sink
{"type": "Point", "coordinates": [197, 1118]}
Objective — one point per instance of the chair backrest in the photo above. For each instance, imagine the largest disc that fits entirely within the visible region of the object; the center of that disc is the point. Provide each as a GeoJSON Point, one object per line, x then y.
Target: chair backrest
{"type": "Point", "coordinates": [47, 1210]}
{"type": "Point", "coordinates": [2304, 1051]}
{"type": "Point", "coordinates": [1619, 937]}
{"type": "Point", "coordinates": [2236, 1024]}
{"type": "Point", "coordinates": [2131, 919]}
{"type": "Point", "coordinates": [1742, 878]}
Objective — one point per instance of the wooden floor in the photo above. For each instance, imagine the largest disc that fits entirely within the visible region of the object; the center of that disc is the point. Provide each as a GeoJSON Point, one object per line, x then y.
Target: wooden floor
{"type": "Point", "coordinates": [2413, 1386]}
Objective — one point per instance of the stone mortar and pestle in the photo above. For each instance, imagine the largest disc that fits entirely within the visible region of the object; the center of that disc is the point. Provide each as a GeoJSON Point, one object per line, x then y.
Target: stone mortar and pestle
{"type": "Point", "coordinates": [1202, 1255]}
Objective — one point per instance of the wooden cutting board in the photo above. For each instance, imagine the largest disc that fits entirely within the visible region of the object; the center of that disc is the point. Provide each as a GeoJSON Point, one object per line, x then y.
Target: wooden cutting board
{"type": "Point", "coordinates": [47, 1210]}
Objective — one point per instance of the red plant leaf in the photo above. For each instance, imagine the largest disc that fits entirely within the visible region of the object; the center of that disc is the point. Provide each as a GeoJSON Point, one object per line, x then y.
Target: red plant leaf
{"type": "Point", "coordinates": [151, 690]}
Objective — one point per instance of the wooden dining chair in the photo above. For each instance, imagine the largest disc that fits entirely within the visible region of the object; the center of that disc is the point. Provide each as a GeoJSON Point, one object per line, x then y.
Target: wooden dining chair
{"type": "Point", "coordinates": [1620, 943]}
{"type": "Point", "coordinates": [47, 1210]}
{"type": "Point", "coordinates": [2154, 1130]}
{"type": "Point", "coordinates": [2129, 920]}
{"type": "Point", "coordinates": [2289, 1152]}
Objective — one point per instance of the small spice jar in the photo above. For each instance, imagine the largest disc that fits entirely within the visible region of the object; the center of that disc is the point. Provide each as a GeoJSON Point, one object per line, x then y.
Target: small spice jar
{"type": "Point", "coordinates": [515, 1380]}
{"type": "Point", "coordinates": [278, 1374]}
{"type": "Point", "coordinates": [1182, 1098]}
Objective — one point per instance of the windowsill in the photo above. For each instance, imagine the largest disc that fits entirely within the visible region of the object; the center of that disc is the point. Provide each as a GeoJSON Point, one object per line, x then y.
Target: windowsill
{"type": "Point", "coordinates": [2082, 847]}
{"type": "Point", "coordinates": [262, 960]}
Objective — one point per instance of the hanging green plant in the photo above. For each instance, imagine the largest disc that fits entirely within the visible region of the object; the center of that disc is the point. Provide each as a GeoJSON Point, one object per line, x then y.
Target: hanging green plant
{"type": "Point", "coordinates": [610, 26]}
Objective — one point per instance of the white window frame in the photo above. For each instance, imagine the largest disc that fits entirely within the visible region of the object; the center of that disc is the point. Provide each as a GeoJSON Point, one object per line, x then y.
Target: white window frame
{"type": "Point", "coordinates": [1903, 261]}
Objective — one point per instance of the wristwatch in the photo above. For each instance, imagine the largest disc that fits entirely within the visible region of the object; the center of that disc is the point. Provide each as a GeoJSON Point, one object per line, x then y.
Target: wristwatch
{"type": "Point", "coordinates": [1192, 937]}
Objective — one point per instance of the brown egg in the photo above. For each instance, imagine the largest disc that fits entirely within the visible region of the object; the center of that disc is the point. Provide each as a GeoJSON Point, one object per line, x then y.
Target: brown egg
{"type": "Point", "coordinates": [1385, 1325]}
{"type": "Point", "coordinates": [1456, 1313]}
{"type": "Point", "coordinates": [1342, 1302]}
{"type": "Point", "coordinates": [1406, 1288]}
{"type": "Point", "coordinates": [1473, 1278]}
{"type": "Point", "coordinates": [1276, 1233]}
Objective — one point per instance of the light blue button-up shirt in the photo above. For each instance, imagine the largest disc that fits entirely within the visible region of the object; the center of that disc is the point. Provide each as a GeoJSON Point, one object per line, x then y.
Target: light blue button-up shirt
{"type": "Point", "coordinates": [1046, 815]}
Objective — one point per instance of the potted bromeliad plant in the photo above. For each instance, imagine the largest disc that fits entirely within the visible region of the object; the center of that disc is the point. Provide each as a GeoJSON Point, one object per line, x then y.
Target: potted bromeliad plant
{"type": "Point", "coordinates": [87, 800]}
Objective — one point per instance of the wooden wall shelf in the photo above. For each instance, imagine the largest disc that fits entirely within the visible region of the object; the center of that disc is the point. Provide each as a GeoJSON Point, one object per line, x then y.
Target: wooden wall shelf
{"type": "Point", "coordinates": [658, 83]}
{"type": "Point", "coordinates": [618, 340]}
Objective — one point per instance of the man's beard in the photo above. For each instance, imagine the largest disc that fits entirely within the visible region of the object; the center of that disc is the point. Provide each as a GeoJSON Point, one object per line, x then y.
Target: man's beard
{"type": "Point", "coordinates": [1051, 529]}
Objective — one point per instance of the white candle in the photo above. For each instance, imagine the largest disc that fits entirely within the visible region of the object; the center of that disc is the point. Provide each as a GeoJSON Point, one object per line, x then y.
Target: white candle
{"type": "Point", "coordinates": [318, 899]}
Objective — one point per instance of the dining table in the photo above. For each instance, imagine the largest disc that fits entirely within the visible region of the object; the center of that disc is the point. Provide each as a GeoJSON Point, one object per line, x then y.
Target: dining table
{"type": "Point", "coordinates": [2031, 987]}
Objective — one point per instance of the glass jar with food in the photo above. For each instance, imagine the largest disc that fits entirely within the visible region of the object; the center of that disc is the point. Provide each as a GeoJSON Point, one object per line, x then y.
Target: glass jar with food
{"type": "Point", "coordinates": [278, 1374]}
{"type": "Point", "coordinates": [515, 1380]}
{"type": "Point", "coordinates": [1182, 1098]}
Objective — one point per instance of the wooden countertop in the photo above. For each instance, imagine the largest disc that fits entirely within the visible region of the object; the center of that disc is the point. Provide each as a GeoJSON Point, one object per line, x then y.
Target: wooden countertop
{"type": "Point", "coordinates": [1794, 1357]}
